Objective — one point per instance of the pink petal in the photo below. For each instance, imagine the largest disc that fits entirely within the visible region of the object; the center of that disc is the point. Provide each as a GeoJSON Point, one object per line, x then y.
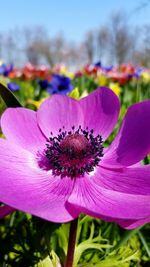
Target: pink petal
{"type": "Point", "coordinates": [132, 143]}
{"type": "Point", "coordinates": [58, 111]}
{"type": "Point", "coordinates": [91, 199]}
{"type": "Point", "coordinates": [5, 210]}
{"type": "Point", "coordinates": [132, 180]}
{"type": "Point", "coordinates": [135, 180]}
{"type": "Point", "coordinates": [101, 110]}
{"type": "Point", "coordinates": [131, 224]}
{"type": "Point", "coordinates": [26, 187]}
{"type": "Point", "coordinates": [19, 125]}
{"type": "Point", "coordinates": [127, 224]}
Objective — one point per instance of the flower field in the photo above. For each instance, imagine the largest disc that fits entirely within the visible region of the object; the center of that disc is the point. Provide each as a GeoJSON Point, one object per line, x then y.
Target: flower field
{"type": "Point", "coordinates": [74, 166]}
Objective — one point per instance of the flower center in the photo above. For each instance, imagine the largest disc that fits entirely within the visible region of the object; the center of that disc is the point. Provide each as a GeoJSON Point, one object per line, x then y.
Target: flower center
{"type": "Point", "coordinates": [74, 146]}
{"type": "Point", "coordinates": [74, 153]}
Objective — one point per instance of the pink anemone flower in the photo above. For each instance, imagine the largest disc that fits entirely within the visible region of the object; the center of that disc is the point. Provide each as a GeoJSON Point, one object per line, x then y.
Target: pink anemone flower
{"type": "Point", "coordinates": [53, 164]}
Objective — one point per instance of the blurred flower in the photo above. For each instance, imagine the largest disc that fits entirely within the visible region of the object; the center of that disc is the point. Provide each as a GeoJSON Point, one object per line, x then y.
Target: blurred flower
{"type": "Point", "coordinates": [138, 72]}
{"type": "Point", "coordinates": [98, 64]}
{"type": "Point", "coordinates": [75, 93]}
{"type": "Point", "coordinates": [41, 71]}
{"type": "Point", "coordinates": [78, 74]}
{"type": "Point", "coordinates": [2, 69]}
{"type": "Point", "coordinates": [63, 71]}
{"type": "Point", "coordinates": [15, 73]}
{"type": "Point", "coordinates": [43, 84]}
{"type": "Point", "coordinates": [5, 69]}
{"type": "Point", "coordinates": [115, 88]}
{"type": "Point", "coordinates": [90, 69]}
{"type": "Point", "coordinates": [28, 71]}
{"type": "Point", "coordinates": [101, 80]}
{"type": "Point", "coordinates": [145, 76]}
{"type": "Point", "coordinates": [60, 85]}
{"type": "Point", "coordinates": [13, 86]}
{"type": "Point", "coordinates": [121, 78]}
{"type": "Point", "coordinates": [35, 103]}
{"type": "Point", "coordinates": [107, 68]}
{"type": "Point", "coordinates": [53, 164]}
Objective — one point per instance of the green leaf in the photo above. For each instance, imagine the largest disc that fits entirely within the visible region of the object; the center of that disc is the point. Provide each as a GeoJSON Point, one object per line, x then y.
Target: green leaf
{"type": "Point", "coordinates": [8, 97]}
{"type": "Point", "coordinates": [143, 240]}
{"type": "Point", "coordinates": [128, 234]}
{"type": "Point", "coordinates": [50, 261]}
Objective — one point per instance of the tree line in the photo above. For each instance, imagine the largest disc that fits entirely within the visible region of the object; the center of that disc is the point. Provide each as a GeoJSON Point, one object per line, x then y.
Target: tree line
{"type": "Point", "coordinates": [115, 42]}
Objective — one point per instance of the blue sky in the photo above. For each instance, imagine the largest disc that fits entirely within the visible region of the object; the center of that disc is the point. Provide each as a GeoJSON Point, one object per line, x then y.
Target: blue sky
{"type": "Point", "coordinates": [73, 18]}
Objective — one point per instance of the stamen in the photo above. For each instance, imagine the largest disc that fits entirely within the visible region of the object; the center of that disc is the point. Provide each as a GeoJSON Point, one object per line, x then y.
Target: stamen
{"type": "Point", "coordinates": [75, 152]}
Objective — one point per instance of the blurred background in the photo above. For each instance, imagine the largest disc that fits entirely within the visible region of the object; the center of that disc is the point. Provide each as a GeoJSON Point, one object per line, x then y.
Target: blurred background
{"type": "Point", "coordinates": [75, 32]}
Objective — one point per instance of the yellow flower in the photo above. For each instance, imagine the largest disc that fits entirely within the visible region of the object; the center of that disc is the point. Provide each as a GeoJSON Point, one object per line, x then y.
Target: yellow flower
{"type": "Point", "coordinates": [145, 76]}
{"type": "Point", "coordinates": [65, 72]}
{"type": "Point", "coordinates": [75, 93]}
{"type": "Point", "coordinates": [101, 80]}
{"type": "Point", "coordinates": [115, 88]}
{"type": "Point", "coordinates": [35, 102]}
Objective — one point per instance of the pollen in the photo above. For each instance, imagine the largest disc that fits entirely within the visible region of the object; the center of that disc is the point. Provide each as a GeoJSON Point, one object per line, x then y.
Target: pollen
{"type": "Point", "coordinates": [74, 153]}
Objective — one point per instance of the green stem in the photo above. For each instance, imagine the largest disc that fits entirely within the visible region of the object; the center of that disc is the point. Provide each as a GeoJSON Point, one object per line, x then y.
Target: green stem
{"type": "Point", "coordinates": [71, 243]}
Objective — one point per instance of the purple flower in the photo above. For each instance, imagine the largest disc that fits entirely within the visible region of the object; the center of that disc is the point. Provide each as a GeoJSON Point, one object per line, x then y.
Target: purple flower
{"type": "Point", "coordinates": [107, 68]}
{"type": "Point", "coordinates": [138, 72]}
{"type": "Point", "coordinates": [5, 69]}
{"type": "Point", "coordinates": [98, 64]}
{"type": "Point", "coordinates": [53, 164]}
{"type": "Point", "coordinates": [60, 85]}
{"type": "Point", "coordinates": [13, 86]}
{"type": "Point", "coordinates": [43, 84]}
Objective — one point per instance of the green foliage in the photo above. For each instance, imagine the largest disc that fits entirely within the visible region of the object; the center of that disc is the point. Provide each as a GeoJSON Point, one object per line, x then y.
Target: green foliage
{"type": "Point", "coordinates": [30, 241]}
{"type": "Point", "coordinates": [84, 83]}
{"type": "Point", "coordinates": [25, 240]}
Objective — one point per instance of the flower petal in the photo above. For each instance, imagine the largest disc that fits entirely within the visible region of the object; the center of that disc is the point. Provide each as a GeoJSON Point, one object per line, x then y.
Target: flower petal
{"type": "Point", "coordinates": [5, 210]}
{"type": "Point", "coordinates": [101, 110]}
{"type": "Point", "coordinates": [24, 186]}
{"type": "Point", "coordinates": [132, 143]}
{"type": "Point", "coordinates": [135, 180]}
{"type": "Point", "coordinates": [19, 125]}
{"type": "Point", "coordinates": [132, 180]}
{"type": "Point", "coordinates": [96, 201]}
{"type": "Point", "coordinates": [127, 224]}
{"type": "Point", "coordinates": [58, 111]}
{"type": "Point", "coordinates": [131, 224]}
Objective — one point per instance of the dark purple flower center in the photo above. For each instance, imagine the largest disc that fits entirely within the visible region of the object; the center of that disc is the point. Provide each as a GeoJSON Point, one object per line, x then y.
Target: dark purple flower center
{"type": "Point", "coordinates": [74, 153]}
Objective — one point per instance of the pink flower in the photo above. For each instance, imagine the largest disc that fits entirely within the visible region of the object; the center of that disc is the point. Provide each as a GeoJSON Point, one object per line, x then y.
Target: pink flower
{"type": "Point", "coordinates": [53, 164]}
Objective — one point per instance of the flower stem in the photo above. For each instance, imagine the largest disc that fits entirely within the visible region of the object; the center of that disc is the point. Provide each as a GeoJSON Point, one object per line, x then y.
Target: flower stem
{"type": "Point", "coordinates": [71, 243]}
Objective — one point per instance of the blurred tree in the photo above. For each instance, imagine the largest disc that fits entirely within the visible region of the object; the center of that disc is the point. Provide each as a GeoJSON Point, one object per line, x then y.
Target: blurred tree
{"type": "Point", "coordinates": [89, 44]}
{"type": "Point", "coordinates": [121, 39]}
{"type": "Point", "coordinates": [113, 43]}
{"type": "Point", "coordinates": [102, 41]}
